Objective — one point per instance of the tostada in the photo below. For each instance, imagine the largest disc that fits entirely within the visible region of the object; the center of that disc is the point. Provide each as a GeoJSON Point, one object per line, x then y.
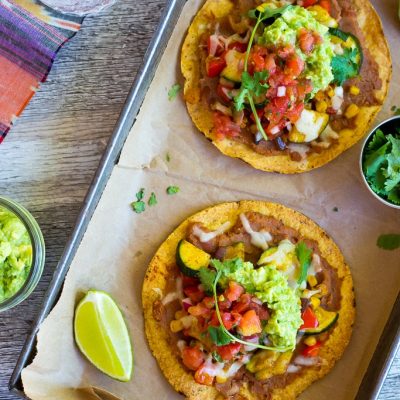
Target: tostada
{"type": "Point", "coordinates": [247, 300]}
{"type": "Point", "coordinates": [285, 86]}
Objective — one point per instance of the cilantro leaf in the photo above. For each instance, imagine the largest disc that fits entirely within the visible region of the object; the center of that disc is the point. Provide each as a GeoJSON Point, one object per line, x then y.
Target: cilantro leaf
{"type": "Point", "coordinates": [252, 86]}
{"type": "Point", "coordinates": [375, 160]}
{"type": "Point", "coordinates": [303, 254]}
{"type": "Point", "coordinates": [138, 206]}
{"type": "Point", "coordinates": [228, 266]}
{"type": "Point", "coordinates": [173, 190]}
{"type": "Point", "coordinates": [264, 12]}
{"type": "Point", "coordinates": [378, 140]}
{"type": "Point", "coordinates": [152, 200]}
{"type": "Point", "coordinates": [389, 242]}
{"type": "Point", "coordinates": [173, 92]}
{"type": "Point", "coordinates": [345, 66]}
{"type": "Point", "coordinates": [219, 335]}
{"type": "Point", "coordinates": [207, 277]}
{"type": "Point", "coordinates": [394, 196]}
{"type": "Point", "coordinates": [140, 194]}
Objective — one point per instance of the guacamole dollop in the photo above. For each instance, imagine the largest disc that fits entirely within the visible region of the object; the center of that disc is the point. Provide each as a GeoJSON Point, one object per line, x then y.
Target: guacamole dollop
{"type": "Point", "coordinates": [271, 286]}
{"type": "Point", "coordinates": [15, 254]}
{"type": "Point", "coordinates": [285, 30]}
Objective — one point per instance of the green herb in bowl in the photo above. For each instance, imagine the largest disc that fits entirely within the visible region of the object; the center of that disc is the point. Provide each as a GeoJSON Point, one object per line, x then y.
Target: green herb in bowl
{"type": "Point", "coordinates": [381, 163]}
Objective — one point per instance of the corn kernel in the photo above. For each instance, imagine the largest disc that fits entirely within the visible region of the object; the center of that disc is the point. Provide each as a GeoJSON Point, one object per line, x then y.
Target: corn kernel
{"type": "Point", "coordinates": [221, 379]}
{"type": "Point", "coordinates": [348, 43]}
{"type": "Point", "coordinates": [320, 96]}
{"type": "Point", "coordinates": [354, 90]}
{"type": "Point", "coordinates": [176, 326]}
{"type": "Point", "coordinates": [321, 106]}
{"type": "Point", "coordinates": [312, 280]}
{"type": "Point", "coordinates": [315, 302]}
{"type": "Point", "coordinates": [330, 92]}
{"type": "Point", "coordinates": [310, 341]}
{"type": "Point", "coordinates": [351, 111]}
{"type": "Point", "coordinates": [221, 298]}
{"type": "Point", "coordinates": [179, 314]}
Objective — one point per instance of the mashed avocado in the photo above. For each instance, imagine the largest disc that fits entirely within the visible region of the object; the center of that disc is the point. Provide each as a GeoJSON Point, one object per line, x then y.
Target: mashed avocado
{"type": "Point", "coordinates": [285, 31]}
{"type": "Point", "coordinates": [271, 287]}
{"type": "Point", "coordinates": [15, 254]}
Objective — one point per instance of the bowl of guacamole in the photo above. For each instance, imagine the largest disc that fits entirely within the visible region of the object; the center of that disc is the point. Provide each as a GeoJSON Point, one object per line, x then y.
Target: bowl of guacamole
{"type": "Point", "coordinates": [22, 253]}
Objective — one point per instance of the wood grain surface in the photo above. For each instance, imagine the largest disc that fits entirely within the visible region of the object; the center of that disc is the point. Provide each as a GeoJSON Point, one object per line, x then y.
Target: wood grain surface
{"type": "Point", "coordinates": [49, 158]}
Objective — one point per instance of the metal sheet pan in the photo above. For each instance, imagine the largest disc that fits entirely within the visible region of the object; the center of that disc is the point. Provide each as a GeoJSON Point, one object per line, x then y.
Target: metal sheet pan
{"type": "Point", "coordinates": [389, 342]}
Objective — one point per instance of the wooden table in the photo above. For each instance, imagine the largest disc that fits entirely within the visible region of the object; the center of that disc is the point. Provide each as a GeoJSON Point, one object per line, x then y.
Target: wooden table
{"type": "Point", "coordinates": [49, 158]}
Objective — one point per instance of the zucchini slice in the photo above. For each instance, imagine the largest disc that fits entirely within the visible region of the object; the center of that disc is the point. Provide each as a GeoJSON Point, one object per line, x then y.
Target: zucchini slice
{"type": "Point", "coordinates": [326, 320]}
{"type": "Point", "coordinates": [308, 127]}
{"type": "Point", "coordinates": [234, 66]}
{"type": "Point", "coordinates": [235, 251]}
{"type": "Point", "coordinates": [190, 258]}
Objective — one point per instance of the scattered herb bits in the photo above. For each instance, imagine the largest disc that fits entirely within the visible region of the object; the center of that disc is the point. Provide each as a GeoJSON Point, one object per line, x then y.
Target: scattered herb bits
{"type": "Point", "coordinates": [173, 190]}
{"type": "Point", "coordinates": [173, 92]}
{"type": "Point", "coordinates": [389, 242]}
{"type": "Point", "coordinates": [152, 200]}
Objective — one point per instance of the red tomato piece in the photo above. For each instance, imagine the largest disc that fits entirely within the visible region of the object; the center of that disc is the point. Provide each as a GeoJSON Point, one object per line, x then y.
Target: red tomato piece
{"type": "Point", "coordinates": [306, 41]}
{"type": "Point", "coordinates": [309, 319]}
{"type": "Point", "coordinates": [258, 62]}
{"type": "Point", "coordinates": [325, 4]}
{"type": "Point", "coordinates": [234, 291]}
{"type": "Point", "coordinates": [294, 66]}
{"type": "Point", "coordinates": [261, 311]}
{"type": "Point", "coordinates": [194, 293]}
{"type": "Point", "coordinates": [192, 358]}
{"type": "Point", "coordinates": [270, 64]}
{"type": "Point", "coordinates": [293, 114]}
{"type": "Point", "coordinates": [227, 320]}
{"type": "Point", "coordinates": [214, 66]}
{"type": "Point", "coordinates": [199, 310]}
{"type": "Point", "coordinates": [203, 378]}
{"type": "Point", "coordinates": [236, 318]}
{"type": "Point", "coordinates": [214, 320]}
{"type": "Point", "coordinates": [228, 351]}
{"type": "Point", "coordinates": [312, 351]}
{"type": "Point", "coordinates": [286, 51]}
{"type": "Point", "coordinates": [242, 305]}
{"type": "Point", "coordinates": [308, 3]}
{"type": "Point", "coordinates": [250, 324]}
{"type": "Point", "coordinates": [224, 126]}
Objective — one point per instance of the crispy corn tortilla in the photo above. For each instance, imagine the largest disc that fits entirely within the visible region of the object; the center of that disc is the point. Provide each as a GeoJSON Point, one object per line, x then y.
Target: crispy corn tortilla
{"type": "Point", "coordinates": [163, 264]}
{"type": "Point", "coordinates": [202, 114]}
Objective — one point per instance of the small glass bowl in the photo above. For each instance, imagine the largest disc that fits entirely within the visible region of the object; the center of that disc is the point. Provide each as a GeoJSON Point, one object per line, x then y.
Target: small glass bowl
{"type": "Point", "coordinates": [390, 123]}
{"type": "Point", "coordinates": [38, 253]}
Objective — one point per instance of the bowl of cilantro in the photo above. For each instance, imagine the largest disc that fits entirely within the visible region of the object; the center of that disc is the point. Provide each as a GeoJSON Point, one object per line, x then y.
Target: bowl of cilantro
{"type": "Point", "coordinates": [380, 162]}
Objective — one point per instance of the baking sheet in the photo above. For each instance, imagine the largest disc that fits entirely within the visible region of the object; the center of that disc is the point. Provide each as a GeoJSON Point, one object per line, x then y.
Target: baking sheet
{"type": "Point", "coordinates": [206, 177]}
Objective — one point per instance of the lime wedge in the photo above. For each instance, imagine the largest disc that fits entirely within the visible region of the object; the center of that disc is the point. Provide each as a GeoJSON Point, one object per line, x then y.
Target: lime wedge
{"type": "Point", "coordinates": [102, 336]}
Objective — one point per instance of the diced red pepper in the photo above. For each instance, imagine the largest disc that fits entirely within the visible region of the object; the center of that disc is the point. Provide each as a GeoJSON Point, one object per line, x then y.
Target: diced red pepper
{"type": "Point", "coordinates": [242, 305]}
{"type": "Point", "coordinates": [214, 66]}
{"type": "Point", "coordinates": [325, 4]}
{"type": "Point", "coordinates": [306, 41]}
{"type": "Point", "coordinates": [192, 358]}
{"type": "Point", "coordinates": [312, 351]}
{"type": "Point", "coordinates": [228, 351]}
{"type": "Point", "coordinates": [250, 324]}
{"type": "Point", "coordinates": [194, 293]}
{"type": "Point", "coordinates": [234, 291]}
{"type": "Point", "coordinates": [309, 319]}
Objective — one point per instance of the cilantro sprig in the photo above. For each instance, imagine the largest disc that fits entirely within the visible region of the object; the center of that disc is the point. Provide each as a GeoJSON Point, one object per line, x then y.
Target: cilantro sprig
{"type": "Point", "coordinates": [345, 66]}
{"type": "Point", "coordinates": [381, 165]}
{"type": "Point", "coordinates": [256, 85]}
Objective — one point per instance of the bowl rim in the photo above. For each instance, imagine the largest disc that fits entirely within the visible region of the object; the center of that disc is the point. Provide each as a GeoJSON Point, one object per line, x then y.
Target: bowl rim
{"type": "Point", "coordinates": [382, 200]}
{"type": "Point", "coordinates": [38, 252]}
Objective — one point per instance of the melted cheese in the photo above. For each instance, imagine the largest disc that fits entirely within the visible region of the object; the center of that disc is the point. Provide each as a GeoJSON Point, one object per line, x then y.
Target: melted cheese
{"type": "Point", "coordinates": [258, 239]}
{"type": "Point", "coordinates": [207, 236]}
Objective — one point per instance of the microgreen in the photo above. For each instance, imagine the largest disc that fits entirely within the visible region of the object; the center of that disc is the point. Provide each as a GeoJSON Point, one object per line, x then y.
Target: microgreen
{"type": "Point", "coordinates": [173, 92]}
{"type": "Point", "coordinates": [389, 242]}
{"type": "Point", "coordinates": [303, 254]}
{"type": "Point", "coordinates": [152, 200]}
{"type": "Point", "coordinates": [173, 189]}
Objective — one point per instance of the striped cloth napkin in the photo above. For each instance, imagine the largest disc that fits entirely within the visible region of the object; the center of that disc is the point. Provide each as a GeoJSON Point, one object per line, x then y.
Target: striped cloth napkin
{"type": "Point", "coordinates": [30, 36]}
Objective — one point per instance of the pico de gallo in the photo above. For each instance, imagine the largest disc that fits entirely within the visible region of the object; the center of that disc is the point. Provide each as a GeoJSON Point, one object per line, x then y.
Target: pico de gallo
{"type": "Point", "coordinates": [287, 76]}
{"type": "Point", "coordinates": [250, 301]}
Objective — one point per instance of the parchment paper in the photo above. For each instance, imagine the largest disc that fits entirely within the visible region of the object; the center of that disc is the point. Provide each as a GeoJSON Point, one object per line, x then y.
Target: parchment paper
{"type": "Point", "coordinates": [119, 244]}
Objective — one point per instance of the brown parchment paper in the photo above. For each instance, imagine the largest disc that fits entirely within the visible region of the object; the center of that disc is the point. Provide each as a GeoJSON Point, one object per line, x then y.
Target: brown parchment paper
{"type": "Point", "coordinates": [119, 244]}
